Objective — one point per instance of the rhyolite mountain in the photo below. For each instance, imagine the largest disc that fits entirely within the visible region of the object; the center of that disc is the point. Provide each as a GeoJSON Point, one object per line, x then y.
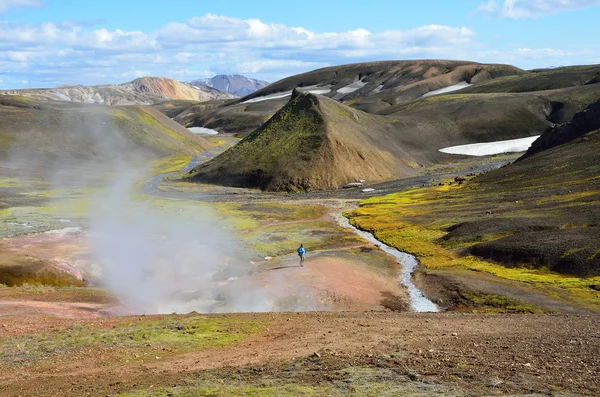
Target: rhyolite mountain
{"type": "Point", "coordinates": [233, 83]}
{"type": "Point", "coordinates": [142, 91]}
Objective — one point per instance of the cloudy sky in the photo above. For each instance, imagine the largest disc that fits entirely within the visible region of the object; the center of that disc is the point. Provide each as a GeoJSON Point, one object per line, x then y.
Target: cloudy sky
{"type": "Point", "coordinates": [46, 43]}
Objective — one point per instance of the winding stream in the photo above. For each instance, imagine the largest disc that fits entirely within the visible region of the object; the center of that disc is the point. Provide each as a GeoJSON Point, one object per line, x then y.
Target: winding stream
{"type": "Point", "coordinates": [418, 301]}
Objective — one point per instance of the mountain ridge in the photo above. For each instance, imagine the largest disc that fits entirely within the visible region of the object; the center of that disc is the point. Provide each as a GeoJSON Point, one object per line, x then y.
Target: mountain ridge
{"type": "Point", "coordinates": [236, 84]}
{"type": "Point", "coordinates": [141, 91]}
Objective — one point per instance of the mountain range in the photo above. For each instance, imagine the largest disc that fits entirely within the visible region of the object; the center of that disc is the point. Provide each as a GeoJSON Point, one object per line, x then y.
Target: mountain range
{"type": "Point", "coordinates": [142, 91]}
{"type": "Point", "coordinates": [233, 83]}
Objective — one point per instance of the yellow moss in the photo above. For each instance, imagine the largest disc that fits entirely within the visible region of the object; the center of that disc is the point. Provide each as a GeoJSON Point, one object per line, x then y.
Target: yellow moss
{"type": "Point", "coordinates": [395, 220]}
{"type": "Point", "coordinates": [171, 164]}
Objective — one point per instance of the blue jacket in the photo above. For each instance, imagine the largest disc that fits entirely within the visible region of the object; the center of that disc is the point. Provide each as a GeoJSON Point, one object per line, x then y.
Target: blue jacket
{"type": "Point", "coordinates": [301, 251]}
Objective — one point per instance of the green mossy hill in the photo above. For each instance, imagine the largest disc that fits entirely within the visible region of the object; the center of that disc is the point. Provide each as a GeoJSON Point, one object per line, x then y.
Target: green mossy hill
{"type": "Point", "coordinates": [311, 143]}
{"type": "Point", "coordinates": [582, 123]}
{"type": "Point", "coordinates": [71, 130]}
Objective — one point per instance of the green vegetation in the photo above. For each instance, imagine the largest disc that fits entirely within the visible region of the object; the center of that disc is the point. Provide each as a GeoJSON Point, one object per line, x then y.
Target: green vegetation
{"type": "Point", "coordinates": [416, 221]}
{"type": "Point", "coordinates": [272, 229]}
{"type": "Point", "coordinates": [485, 303]}
{"type": "Point", "coordinates": [151, 336]}
{"type": "Point", "coordinates": [349, 381]}
{"type": "Point", "coordinates": [66, 130]}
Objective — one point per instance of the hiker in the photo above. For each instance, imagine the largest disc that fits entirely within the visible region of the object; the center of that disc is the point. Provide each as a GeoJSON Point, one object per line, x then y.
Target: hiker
{"type": "Point", "coordinates": [301, 253]}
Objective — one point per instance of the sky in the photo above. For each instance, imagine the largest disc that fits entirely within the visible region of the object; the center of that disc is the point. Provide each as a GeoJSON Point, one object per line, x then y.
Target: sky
{"type": "Point", "coordinates": [47, 43]}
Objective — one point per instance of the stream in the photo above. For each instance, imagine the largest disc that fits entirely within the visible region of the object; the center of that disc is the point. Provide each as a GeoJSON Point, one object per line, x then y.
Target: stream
{"type": "Point", "coordinates": [418, 301]}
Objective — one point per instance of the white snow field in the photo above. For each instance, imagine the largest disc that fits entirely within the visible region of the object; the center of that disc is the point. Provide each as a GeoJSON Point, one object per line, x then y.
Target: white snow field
{"type": "Point", "coordinates": [491, 148]}
{"type": "Point", "coordinates": [269, 97]}
{"type": "Point", "coordinates": [455, 87]}
{"type": "Point", "coordinates": [357, 85]}
{"type": "Point", "coordinates": [202, 130]}
{"type": "Point", "coordinates": [313, 89]}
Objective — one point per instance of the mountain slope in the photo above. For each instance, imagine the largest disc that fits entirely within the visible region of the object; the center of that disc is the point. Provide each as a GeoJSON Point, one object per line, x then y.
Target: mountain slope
{"type": "Point", "coordinates": [311, 143]}
{"type": "Point", "coordinates": [556, 185]}
{"type": "Point", "coordinates": [142, 91]}
{"type": "Point", "coordinates": [344, 144]}
{"type": "Point", "coordinates": [233, 83]}
{"type": "Point", "coordinates": [582, 123]}
{"type": "Point", "coordinates": [70, 130]}
{"type": "Point", "coordinates": [541, 212]}
{"type": "Point", "coordinates": [386, 82]}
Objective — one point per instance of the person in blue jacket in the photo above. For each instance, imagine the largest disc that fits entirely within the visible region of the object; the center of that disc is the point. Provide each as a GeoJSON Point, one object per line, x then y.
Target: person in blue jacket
{"type": "Point", "coordinates": [301, 253]}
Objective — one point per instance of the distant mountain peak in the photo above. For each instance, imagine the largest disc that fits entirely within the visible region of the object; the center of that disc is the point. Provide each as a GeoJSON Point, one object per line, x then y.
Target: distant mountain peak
{"type": "Point", "coordinates": [233, 83]}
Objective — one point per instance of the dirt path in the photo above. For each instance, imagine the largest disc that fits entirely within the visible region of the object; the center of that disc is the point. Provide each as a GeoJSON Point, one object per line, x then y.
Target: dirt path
{"type": "Point", "coordinates": [481, 354]}
{"type": "Point", "coordinates": [333, 283]}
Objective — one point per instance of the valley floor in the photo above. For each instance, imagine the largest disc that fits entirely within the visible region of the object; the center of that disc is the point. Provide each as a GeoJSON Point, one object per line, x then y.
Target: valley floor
{"type": "Point", "coordinates": [68, 339]}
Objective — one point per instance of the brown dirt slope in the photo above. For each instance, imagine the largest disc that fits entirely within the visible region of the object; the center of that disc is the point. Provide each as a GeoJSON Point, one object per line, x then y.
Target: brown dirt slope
{"type": "Point", "coordinates": [390, 81]}
{"type": "Point", "coordinates": [312, 143]}
{"type": "Point", "coordinates": [502, 98]}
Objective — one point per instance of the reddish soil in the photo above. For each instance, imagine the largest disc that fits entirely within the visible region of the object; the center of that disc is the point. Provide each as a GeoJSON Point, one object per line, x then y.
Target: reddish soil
{"type": "Point", "coordinates": [483, 354]}
{"type": "Point", "coordinates": [335, 283]}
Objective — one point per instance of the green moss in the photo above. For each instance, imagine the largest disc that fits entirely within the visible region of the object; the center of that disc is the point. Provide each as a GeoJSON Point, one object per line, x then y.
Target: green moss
{"type": "Point", "coordinates": [350, 381]}
{"type": "Point", "coordinates": [488, 303]}
{"type": "Point", "coordinates": [412, 221]}
{"type": "Point", "coordinates": [176, 333]}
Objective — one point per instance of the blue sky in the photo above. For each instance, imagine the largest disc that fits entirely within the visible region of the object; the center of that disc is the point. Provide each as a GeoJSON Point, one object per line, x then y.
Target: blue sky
{"type": "Point", "coordinates": [45, 43]}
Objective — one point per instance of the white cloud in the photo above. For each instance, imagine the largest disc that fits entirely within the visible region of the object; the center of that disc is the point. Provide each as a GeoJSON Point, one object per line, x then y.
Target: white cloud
{"type": "Point", "coordinates": [7, 4]}
{"type": "Point", "coordinates": [518, 9]}
{"type": "Point", "coordinates": [49, 53]}
{"type": "Point", "coordinates": [273, 65]}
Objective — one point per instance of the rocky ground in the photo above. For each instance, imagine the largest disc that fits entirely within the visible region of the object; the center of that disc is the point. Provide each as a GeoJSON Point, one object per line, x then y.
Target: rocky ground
{"type": "Point", "coordinates": [285, 354]}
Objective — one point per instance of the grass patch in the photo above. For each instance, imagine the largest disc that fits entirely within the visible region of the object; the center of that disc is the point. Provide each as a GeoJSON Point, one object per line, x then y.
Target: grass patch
{"type": "Point", "coordinates": [355, 381]}
{"type": "Point", "coordinates": [273, 229]}
{"type": "Point", "coordinates": [478, 302]}
{"type": "Point", "coordinates": [170, 164]}
{"type": "Point", "coordinates": [176, 333]}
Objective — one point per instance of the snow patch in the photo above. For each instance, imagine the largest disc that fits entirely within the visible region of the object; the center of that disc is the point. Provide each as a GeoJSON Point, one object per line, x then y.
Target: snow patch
{"type": "Point", "coordinates": [313, 89]}
{"type": "Point", "coordinates": [357, 85]}
{"type": "Point", "coordinates": [455, 87]}
{"type": "Point", "coordinates": [269, 97]}
{"type": "Point", "coordinates": [377, 90]}
{"type": "Point", "coordinates": [202, 130]}
{"type": "Point", "coordinates": [490, 148]}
